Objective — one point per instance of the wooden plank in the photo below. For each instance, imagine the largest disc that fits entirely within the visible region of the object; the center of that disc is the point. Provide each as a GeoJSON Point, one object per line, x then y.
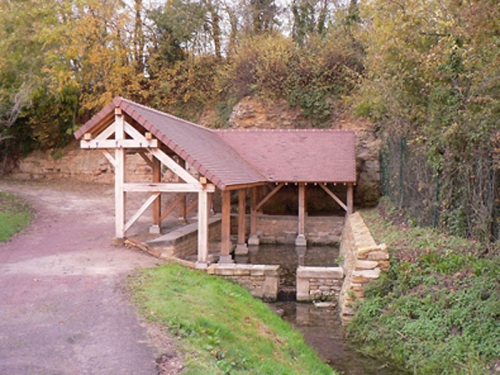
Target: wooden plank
{"type": "Point", "coordinates": [141, 210]}
{"type": "Point", "coordinates": [241, 215]}
{"type": "Point", "coordinates": [165, 187]}
{"type": "Point", "coordinates": [181, 208]}
{"type": "Point", "coordinates": [174, 167]}
{"type": "Point", "coordinates": [334, 197]}
{"type": "Point", "coordinates": [202, 227]}
{"type": "Point", "coordinates": [191, 206]}
{"type": "Point", "coordinates": [119, 143]}
{"type": "Point", "coordinates": [120, 198]}
{"type": "Point", "coordinates": [269, 196]}
{"type": "Point", "coordinates": [110, 157]}
{"type": "Point", "coordinates": [226, 223]}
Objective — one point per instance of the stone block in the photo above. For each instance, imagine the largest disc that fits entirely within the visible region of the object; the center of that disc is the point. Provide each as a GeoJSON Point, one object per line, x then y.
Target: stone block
{"type": "Point", "coordinates": [257, 270]}
{"type": "Point", "coordinates": [320, 272]}
{"type": "Point", "coordinates": [302, 290]}
{"type": "Point", "coordinates": [225, 269]}
{"type": "Point", "coordinates": [242, 270]}
{"type": "Point", "coordinates": [241, 249]}
{"type": "Point", "coordinates": [378, 255]}
{"type": "Point", "coordinates": [271, 270]}
{"type": "Point", "coordinates": [210, 269]}
{"type": "Point", "coordinates": [365, 265]}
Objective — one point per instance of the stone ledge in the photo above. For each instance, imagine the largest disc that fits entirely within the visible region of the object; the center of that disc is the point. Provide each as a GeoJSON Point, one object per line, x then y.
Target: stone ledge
{"type": "Point", "coordinates": [320, 272]}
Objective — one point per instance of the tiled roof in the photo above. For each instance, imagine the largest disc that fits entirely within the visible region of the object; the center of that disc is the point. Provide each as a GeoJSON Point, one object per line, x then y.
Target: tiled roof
{"type": "Point", "coordinates": [308, 155]}
{"type": "Point", "coordinates": [244, 157]}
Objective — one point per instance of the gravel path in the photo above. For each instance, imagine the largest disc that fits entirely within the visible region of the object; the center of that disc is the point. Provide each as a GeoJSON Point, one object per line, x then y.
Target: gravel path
{"type": "Point", "coordinates": [63, 308]}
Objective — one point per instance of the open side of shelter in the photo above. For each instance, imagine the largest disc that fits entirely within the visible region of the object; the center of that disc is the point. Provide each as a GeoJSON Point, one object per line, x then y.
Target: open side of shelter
{"type": "Point", "coordinates": [205, 161]}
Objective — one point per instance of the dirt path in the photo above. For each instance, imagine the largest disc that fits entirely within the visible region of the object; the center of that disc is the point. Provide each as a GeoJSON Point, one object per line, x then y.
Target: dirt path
{"type": "Point", "coordinates": [63, 309]}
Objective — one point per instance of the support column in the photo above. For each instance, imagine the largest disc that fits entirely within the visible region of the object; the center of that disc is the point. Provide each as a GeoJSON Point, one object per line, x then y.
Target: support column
{"type": "Point", "coordinates": [241, 247]}
{"type": "Point", "coordinates": [350, 198]}
{"type": "Point", "coordinates": [119, 179]}
{"type": "Point", "coordinates": [156, 205]}
{"type": "Point", "coordinates": [225, 247]}
{"type": "Point", "coordinates": [253, 240]}
{"type": "Point", "coordinates": [181, 209]}
{"type": "Point", "coordinates": [202, 230]}
{"type": "Point", "coordinates": [301, 238]}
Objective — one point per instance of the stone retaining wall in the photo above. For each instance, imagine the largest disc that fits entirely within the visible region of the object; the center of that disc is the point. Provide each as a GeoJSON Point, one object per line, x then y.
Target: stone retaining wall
{"type": "Point", "coordinates": [319, 283]}
{"type": "Point", "coordinates": [362, 261]}
{"type": "Point", "coordinates": [261, 280]}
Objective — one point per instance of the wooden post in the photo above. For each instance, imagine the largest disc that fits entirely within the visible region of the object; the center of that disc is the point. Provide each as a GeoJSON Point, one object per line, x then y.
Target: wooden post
{"type": "Point", "coordinates": [225, 250]}
{"type": "Point", "coordinates": [253, 240]}
{"type": "Point", "coordinates": [120, 199]}
{"type": "Point", "coordinates": [202, 229]}
{"type": "Point", "coordinates": [350, 198]}
{"type": "Point", "coordinates": [301, 238]}
{"type": "Point", "coordinates": [241, 247]}
{"type": "Point", "coordinates": [181, 210]}
{"type": "Point", "coordinates": [156, 227]}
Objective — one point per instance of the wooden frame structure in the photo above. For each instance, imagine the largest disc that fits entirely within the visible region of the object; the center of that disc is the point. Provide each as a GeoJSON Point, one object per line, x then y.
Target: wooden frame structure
{"type": "Point", "coordinates": [126, 137]}
{"type": "Point", "coordinates": [224, 161]}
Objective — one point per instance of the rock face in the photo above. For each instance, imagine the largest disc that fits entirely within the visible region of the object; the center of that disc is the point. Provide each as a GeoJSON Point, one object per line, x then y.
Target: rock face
{"type": "Point", "coordinates": [248, 113]}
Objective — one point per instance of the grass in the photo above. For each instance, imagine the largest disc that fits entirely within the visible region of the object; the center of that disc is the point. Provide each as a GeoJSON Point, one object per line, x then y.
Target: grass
{"type": "Point", "coordinates": [437, 311]}
{"type": "Point", "coordinates": [223, 329]}
{"type": "Point", "coordinates": [15, 214]}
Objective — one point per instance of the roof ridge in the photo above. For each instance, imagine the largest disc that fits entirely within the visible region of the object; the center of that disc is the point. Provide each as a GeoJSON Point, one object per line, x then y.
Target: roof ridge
{"type": "Point", "coordinates": [161, 113]}
{"type": "Point", "coordinates": [266, 130]}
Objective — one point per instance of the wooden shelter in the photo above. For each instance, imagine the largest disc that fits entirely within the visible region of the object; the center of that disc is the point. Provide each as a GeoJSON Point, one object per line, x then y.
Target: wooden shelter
{"type": "Point", "coordinates": [234, 160]}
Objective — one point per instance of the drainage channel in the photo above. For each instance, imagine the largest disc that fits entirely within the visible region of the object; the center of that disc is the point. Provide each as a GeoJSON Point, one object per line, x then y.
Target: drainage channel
{"type": "Point", "coordinates": [320, 326]}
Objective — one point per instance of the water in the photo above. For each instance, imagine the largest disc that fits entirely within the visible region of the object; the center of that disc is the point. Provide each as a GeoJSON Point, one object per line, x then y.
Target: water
{"type": "Point", "coordinates": [320, 327]}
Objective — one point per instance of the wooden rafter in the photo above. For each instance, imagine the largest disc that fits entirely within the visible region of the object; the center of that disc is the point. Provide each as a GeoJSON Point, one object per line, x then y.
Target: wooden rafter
{"type": "Point", "coordinates": [269, 196]}
{"type": "Point", "coordinates": [334, 197]}
{"type": "Point", "coordinates": [141, 210]}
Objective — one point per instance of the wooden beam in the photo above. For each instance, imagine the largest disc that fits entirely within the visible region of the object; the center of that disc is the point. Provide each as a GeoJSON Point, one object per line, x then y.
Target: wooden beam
{"type": "Point", "coordinates": [135, 134]}
{"type": "Point", "coordinates": [241, 216]}
{"type": "Point", "coordinates": [174, 167]}
{"type": "Point", "coordinates": [202, 227]}
{"type": "Point", "coordinates": [120, 199]}
{"type": "Point", "coordinates": [145, 157]}
{"type": "Point", "coordinates": [350, 198]}
{"type": "Point", "coordinates": [191, 206]}
{"type": "Point", "coordinates": [302, 209]}
{"type": "Point", "coordinates": [173, 205]}
{"type": "Point", "coordinates": [119, 143]}
{"type": "Point", "coordinates": [105, 134]}
{"type": "Point", "coordinates": [157, 202]}
{"type": "Point", "coordinates": [253, 211]}
{"type": "Point", "coordinates": [165, 187]}
{"type": "Point", "coordinates": [141, 210]}
{"type": "Point", "coordinates": [226, 223]}
{"type": "Point", "coordinates": [334, 197]}
{"type": "Point", "coordinates": [110, 157]}
{"type": "Point", "coordinates": [181, 208]}
{"type": "Point", "coordinates": [269, 196]}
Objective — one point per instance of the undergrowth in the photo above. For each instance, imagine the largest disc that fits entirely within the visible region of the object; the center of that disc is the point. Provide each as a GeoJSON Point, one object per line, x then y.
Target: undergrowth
{"type": "Point", "coordinates": [437, 311]}
{"type": "Point", "coordinates": [15, 214]}
{"type": "Point", "coordinates": [222, 328]}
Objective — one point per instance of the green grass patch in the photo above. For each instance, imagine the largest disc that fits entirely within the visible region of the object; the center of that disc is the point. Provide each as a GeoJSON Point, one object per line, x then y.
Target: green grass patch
{"type": "Point", "coordinates": [437, 311]}
{"type": "Point", "coordinates": [222, 328]}
{"type": "Point", "coordinates": [15, 214]}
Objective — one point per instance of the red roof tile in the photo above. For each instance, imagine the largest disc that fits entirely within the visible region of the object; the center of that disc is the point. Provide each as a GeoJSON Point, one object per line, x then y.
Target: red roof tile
{"type": "Point", "coordinates": [309, 155]}
{"type": "Point", "coordinates": [244, 157]}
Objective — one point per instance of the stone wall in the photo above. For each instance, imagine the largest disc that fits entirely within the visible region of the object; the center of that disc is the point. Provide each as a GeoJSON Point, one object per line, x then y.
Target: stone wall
{"type": "Point", "coordinates": [261, 280]}
{"type": "Point", "coordinates": [362, 261]}
{"type": "Point", "coordinates": [183, 242]}
{"type": "Point", "coordinates": [319, 283]}
{"type": "Point", "coordinates": [282, 229]}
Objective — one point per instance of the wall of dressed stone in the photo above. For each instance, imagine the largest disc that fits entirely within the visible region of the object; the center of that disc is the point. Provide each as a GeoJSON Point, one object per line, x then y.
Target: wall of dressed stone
{"type": "Point", "coordinates": [362, 261]}
{"type": "Point", "coordinates": [261, 280]}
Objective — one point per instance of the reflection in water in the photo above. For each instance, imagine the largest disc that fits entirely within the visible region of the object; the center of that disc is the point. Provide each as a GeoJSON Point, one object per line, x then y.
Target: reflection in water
{"type": "Point", "coordinates": [320, 326]}
{"type": "Point", "coordinates": [322, 331]}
